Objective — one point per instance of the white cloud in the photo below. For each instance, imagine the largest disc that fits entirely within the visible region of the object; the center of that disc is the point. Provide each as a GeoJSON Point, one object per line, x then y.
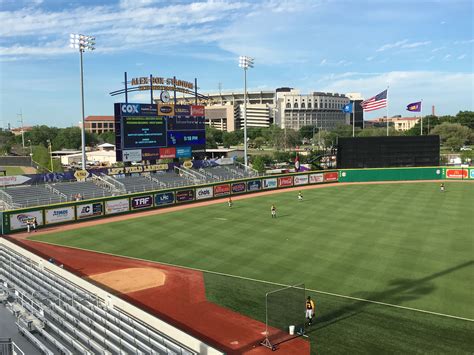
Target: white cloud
{"type": "Point", "coordinates": [406, 86]}
{"type": "Point", "coordinates": [447, 57]}
{"type": "Point", "coordinates": [437, 49]}
{"type": "Point", "coordinates": [369, 59]}
{"type": "Point", "coordinates": [462, 56]}
{"type": "Point", "coordinates": [392, 45]}
{"type": "Point", "coordinates": [467, 41]}
{"type": "Point", "coordinates": [402, 44]}
{"type": "Point", "coordinates": [323, 62]}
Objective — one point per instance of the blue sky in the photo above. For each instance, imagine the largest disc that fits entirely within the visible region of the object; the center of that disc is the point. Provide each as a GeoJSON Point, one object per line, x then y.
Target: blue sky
{"type": "Point", "coordinates": [420, 49]}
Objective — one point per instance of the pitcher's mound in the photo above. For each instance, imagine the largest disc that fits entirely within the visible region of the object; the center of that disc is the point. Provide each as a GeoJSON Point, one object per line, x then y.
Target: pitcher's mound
{"type": "Point", "coordinates": [132, 279]}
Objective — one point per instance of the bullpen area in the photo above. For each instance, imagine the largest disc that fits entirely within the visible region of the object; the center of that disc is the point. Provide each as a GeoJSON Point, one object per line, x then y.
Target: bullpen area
{"type": "Point", "coordinates": [389, 265]}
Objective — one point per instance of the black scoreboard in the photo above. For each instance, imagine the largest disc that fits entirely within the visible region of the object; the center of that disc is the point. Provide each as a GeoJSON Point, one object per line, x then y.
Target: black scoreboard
{"type": "Point", "coordinates": [383, 152]}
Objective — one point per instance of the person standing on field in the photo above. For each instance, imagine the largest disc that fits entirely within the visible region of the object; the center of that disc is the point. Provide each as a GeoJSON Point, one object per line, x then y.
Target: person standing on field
{"type": "Point", "coordinates": [441, 187]}
{"type": "Point", "coordinates": [274, 211]}
{"type": "Point", "coordinates": [309, 310]}
{"type": "Point", "coordinates": [300, 196]}
{"type": "Point", "coordinates": [230, 202]}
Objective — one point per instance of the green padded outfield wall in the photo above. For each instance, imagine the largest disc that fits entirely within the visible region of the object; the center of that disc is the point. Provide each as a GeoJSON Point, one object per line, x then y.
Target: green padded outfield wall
{"type": "Point", "coordinates": [390, 174]}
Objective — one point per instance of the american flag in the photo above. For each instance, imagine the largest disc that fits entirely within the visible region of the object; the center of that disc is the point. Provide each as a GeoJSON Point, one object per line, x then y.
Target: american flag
{"type": "Point", "coordinates": [374, 103]}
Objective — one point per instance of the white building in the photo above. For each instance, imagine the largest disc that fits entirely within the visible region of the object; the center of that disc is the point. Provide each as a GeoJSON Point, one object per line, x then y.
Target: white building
{"type": "Point", "coordinates": [323, 110]}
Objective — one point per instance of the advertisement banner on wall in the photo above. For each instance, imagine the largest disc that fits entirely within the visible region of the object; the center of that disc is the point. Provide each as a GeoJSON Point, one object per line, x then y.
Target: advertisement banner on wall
{"type": "Point", "coordinates": [164, 198]}
{"type": "Point", "coordinates": [331, 176]}
{"type": "Point", "coordinates": [254, 185]}
{"type": "Point", "coordinates": [300, 179]}
{"type": "Point", "coordinates": [316, 178]}
{"type": "Point", "coordinates": [471, 173]}
{"type": "Point", "coordinates": [221, 190]}
{"type": "Point", "coordinates": [183, 152]}
{"type": "Point", "coordinates": [19, 220]}
{"type": "Point", "coordinates": [13, 180]}
{"type": "Point", "coordinates": [117, 206]}
{"type": "Point", "coordinates": [142, 202]}
{"type": "Point", "coordinates": [204, 192]}
{"type": "Point", "coordinates": [132, 155]}
{"type": "Point", "coordinates": [457, 173]}
{"type": "Point", "coordinates": [58, 215]}
{"type": "Point", "coordinates": [167, 153]}
{"type": "Point", "coordinates": [285, 181]}
{"type": "Point", "coordinates": [238, 187]}
{"type": "Point", "coordinates": [270, 183]}
{"type": "Point", "coordinates": [184, 195]}
{"type": "Point", "coordinates": [89, 210]}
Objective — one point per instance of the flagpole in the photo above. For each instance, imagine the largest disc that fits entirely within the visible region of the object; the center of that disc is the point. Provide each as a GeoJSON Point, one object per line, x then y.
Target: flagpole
{"type": "Point", "coordinates": [353, 119]}
{"type": "Point", "coordinates": [387, 110]}
{"type": "Point", "coordinates": [421, 113]}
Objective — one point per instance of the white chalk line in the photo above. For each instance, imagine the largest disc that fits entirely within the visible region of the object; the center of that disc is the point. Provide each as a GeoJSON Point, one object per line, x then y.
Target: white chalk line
{"type": "Point", "coordinates": [272, 283]}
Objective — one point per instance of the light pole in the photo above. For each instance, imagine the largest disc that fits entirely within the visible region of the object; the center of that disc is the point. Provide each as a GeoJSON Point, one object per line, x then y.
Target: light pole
{"type": "Point", "coordinates": [31, 152]}
{"type": "Point", "coordinates": [83, 43]}
{"type": "Point", "coordinates": [245, 63]}
{"type": "Point", "coordinates": [50, 154]}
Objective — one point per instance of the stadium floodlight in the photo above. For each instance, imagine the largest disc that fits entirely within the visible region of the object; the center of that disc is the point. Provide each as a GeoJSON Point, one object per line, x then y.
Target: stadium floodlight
{"type": "Point", "coordinates": [245, 63]}
{"type": "Point", "coordinates": [83, 43]}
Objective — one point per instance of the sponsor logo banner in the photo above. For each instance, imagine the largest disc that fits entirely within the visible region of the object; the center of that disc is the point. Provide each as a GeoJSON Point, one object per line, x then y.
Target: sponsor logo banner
{"type": "Point", "coordinates": [117, 206]}
{"type": "Point", "coordinates": [285, 181]}
{"type": "Point", "coordinates": [222, 190]}
{"type": "Point", "coordinates": [142, 202]}
{"type": "Point", "coordinates": [197, 110]}
{"type": "Point", "coordinates": [300, 179]}
{"type": "Point", "coordinates": [58, 215]}
{"type": "Point", "coordinates": [164, 198]}
{"type": "Point", "coordinates": [182, 110]}
{"type": "Point", "coordinates": [270, 183]}
{"type": "Point", "coordinates": [471, 173]}
{"type": "Point", "coordinates": [132, 155]}
{"type": "Point", "coordinates": [332, 176]}
{"type": "Point", "coordinates": [89, 210]}
{"type": "Point", "coordinates": [456, 173]}
{"type": "Point", "coordinates": [13, 180]}
{"type": "Point", "coordinates": [316, 178]}
{"type": "Point", "coordinates": [165, 110]}
{"type": "Point", "coordinates": [138, 109]}
{"type": "Point", "coordinates": [238, 187]}
{"type": "Point", "coordinates": [183, 152]}
{"type": "Point", "coordinates": [204, 192]}
{"type": "Point", "coordinates": [167, 153]}
{"type": "Point", "coordinates": [184, 195]}
{"type": "Point", "coordinates": [81, 175]}
{"type": "Point", "coordinates": [19, 220]}
{"type": "Point", "coordinates": [149, 154]}
{"type": "Point", "coordinates": [254, 185]}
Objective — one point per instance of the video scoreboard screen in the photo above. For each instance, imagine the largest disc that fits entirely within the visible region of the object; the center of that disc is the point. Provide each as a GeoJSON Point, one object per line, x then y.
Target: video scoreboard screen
{"type": "Point", "coordinates": [150, 132]}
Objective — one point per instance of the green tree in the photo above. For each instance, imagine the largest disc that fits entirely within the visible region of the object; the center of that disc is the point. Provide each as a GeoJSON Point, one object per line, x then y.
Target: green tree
{"type": "Point", "coordinates": [453, 135]}
{"type": "Point", "coordinates": [258, 163]}
{"type": "Point", "coordinates": [41, 134]}
{"type": "Point", "coordinates": [107, 137]}
{"type": "Point", "coordinates": [377, 132]}
{"type": "Point", "coordinates": [258, 142]}
{"type": "Point", "coordinates": [210, 139]}
{"type": "Point", "coordinates": [308, 131]}
{"type": "Point", "coordinates": [230, 138]}
{"type": "Point", "coordinates": [7, 140]}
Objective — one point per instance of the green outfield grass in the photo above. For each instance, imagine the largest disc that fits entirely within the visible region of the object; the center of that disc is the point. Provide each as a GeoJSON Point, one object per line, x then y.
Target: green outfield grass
{"type": "Point", "coordinates": [402, 244]}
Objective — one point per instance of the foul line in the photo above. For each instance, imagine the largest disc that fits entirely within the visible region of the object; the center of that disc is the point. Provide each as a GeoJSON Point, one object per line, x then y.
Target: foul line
{"type": "Point", "coordinates": [270, 283]}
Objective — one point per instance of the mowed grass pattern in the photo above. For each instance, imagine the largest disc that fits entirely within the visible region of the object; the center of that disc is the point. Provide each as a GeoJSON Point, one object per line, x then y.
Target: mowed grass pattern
{"type": "Point", "coordinates": [405, 244]}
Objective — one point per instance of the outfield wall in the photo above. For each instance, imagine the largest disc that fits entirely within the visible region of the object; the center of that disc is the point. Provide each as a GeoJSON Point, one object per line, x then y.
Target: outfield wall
{"type": "Point", "coordinates": [72, 212]}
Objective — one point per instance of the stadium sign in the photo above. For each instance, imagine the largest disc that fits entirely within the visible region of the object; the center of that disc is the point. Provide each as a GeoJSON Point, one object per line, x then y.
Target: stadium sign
{"type": "Point", "coordinates": [142, 202]}
{"type": "Point", "coordinates": [58, 215]}
{"type": "Point", "coordinates": [89, 210]}
{"type": "Point", "coordinates": [117, 206]}
{"type": "Point", "coordinates": [19, 220]}
{"type": "Point", "coordinates": [204, 192]}
{"type": "Point", "coordinates": [164, 198]}
{"type": "Point", "coordinates": [185, 195]}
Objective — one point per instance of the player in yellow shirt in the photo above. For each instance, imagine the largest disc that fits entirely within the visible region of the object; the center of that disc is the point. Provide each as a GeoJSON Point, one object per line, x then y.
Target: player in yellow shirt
{"type": "Point", "coordinates": [309, 310]}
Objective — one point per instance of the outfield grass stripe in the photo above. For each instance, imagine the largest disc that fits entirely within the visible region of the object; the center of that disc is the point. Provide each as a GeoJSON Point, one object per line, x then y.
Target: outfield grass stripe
{"type": "Point", "coordinates": [282, 285]}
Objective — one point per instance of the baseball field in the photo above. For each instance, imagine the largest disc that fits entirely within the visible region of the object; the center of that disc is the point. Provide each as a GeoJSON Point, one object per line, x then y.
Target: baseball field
{"type": "Point", "coordinates": [390, 266]}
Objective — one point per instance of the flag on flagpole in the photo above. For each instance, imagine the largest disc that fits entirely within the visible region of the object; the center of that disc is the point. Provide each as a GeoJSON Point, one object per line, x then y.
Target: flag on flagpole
{"type": "Point", "coordinates": [375, 103]}
{"type": "Point", "coordinates": [414, 107]}
{"type": "Point", "coordinates": [297, 163]}
{"type": "Point", "coordinates": [348, 108]}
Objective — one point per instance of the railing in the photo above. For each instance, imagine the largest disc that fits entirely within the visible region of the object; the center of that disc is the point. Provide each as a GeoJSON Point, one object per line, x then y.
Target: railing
{"type": "Point", "coordinates": [57, 192]}
{"type": "Point", "coordinates": [155, 180]}
{"type": "Point", "coordinates": [190, 173]}
{"type": "Point", "coordinates": [117, 185]}
{"type": "Point", "coordinates": [8, 347]}
{"type": "Point", "coordinates": [6, 197]}
{"type": "Point", "coordinates": [253, 171]}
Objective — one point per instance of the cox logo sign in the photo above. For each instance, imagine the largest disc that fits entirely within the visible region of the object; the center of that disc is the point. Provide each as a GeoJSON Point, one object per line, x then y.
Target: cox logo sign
{"type": "Point", "coordinates": [130, 108]}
